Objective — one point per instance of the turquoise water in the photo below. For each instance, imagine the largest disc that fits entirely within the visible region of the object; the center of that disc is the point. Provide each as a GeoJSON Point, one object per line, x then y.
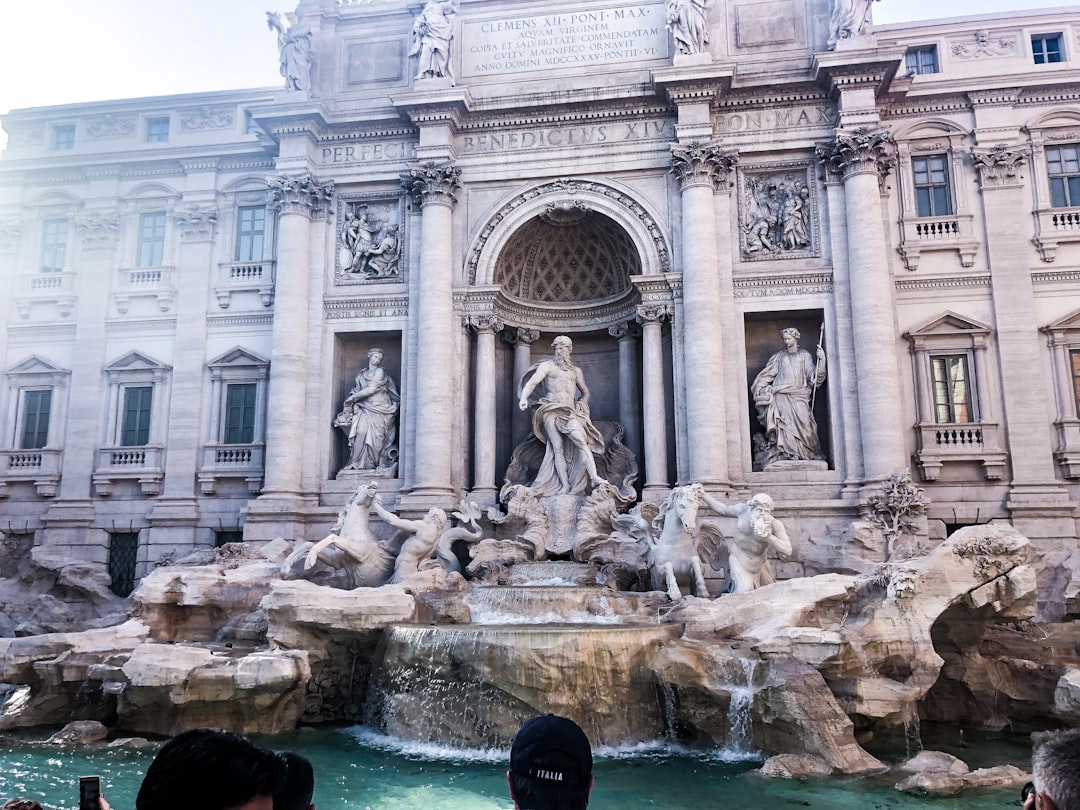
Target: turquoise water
{"type": "Point", "coordinates": [358, 769]}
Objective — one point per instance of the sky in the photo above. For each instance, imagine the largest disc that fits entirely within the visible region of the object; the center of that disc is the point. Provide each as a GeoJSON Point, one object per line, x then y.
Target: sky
{"type": "Point", "coordinates": [66, 51]}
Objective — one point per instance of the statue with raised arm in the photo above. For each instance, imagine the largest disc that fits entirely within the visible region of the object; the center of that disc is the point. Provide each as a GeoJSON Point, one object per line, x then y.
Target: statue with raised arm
{"type": "Point", "coordinates": [756, 531]}
{"type": "Point", "coordinates": [369, 414]}
{"type": "Point", "coordinates": [295, 50]}
{"type": "Point", "coordinates": [432, 34]}
{"type": "Point", "coordinates": [423, 537]}
{"type": "Point", "coordinates": [562, 422]}
{"type": "Point", "coordinates": [783, 392]}
{"type": "Point", "coordinates": [686, 21]}
{"type": "Point", "coordinates": [849, 19]}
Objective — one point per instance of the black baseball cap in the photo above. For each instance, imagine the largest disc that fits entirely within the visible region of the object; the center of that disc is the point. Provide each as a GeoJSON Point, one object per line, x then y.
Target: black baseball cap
{"type": "Point", "coordinates": [553, 749]}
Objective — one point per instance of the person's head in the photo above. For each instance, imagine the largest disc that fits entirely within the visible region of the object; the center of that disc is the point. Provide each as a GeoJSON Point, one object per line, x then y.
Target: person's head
{"type": "Point", "coordinates": [550, 765]}
{"type": "Point", "coordinates": [20, 804]}
{"type": "Point", "coordinates": [299, 785]}
{"type": "Point", "coordinates": [790, 335]}
{"type": "Point", "coordinates": [1055, 766]}
{"type": "Point", "coordinates": [211, 770]}
{"type": "Point", "coordinates": [375, 357]}
{"type": "Point", "coordinates": [436, 516]}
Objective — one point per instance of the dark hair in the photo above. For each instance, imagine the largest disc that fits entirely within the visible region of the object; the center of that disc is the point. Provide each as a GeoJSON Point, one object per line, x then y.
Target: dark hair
{"type": "Point", "coordinates": [1055, 766]}
{"type": "Point", "coordinates": [299, 785]}
{"type": "Point", "coordinates": [213, 770]}
{"type": "Point", "coordinates": [543, 794]}
{"type": "Point", "coordinates": [20, 804]}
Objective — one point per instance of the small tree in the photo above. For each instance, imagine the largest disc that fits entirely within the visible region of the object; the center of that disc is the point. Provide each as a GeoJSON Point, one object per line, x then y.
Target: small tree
{"type": "Point", "coordinates": [896, 509]}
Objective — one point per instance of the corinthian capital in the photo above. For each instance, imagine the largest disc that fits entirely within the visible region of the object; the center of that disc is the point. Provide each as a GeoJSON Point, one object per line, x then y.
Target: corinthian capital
{"type": "Point", "coordinates": [432, 182]}
{"type": "Point", "coordinates": [522, 336]}
{"type": "Point", "coordinates": [998, 165]}
{"type": "Point", "coordinates": [300, 194]}
{"type": "Point", "coordinates": [858, 151]}
{"type": "Point", "coordinates": [482, 322]}
{"type": "Point", "coordinates": [654, 313]}
{"type": "Point", "coordinates": [701, 164]}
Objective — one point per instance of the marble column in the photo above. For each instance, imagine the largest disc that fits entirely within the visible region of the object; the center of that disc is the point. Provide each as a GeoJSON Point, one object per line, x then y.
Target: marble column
{"type": "Point", "coordinates": [484, 490]}
{"type": "Point", "coordinates": [521, 339]}
{"type": "Point", "coordinates": [299, 199]}
{"type": "Point", "coordinates": [629, 406]}
{"type": "Point", "coordinates": [433, 186]}
{"type": "Point", "coordinates": [651, 318]}
{"type": "Point", "coordinates": [701, 168]}
{"type": "Point", "coordinates": [863, 158]}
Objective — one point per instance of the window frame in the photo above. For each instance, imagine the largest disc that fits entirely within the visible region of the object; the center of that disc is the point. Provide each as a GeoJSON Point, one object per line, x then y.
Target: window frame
{"type": "Point", "coordinates": [137, 433]}
{"type": "Point", "coordinates": [241, 234]}
{"type": "Point", "coordinates": [915, 66]}
{"type": "Point", "coordinates": [154, 133]}
{"type": "Point", "coordinates": [54, 246]}
{"type": "Point", "coordinates": [23, 420]}
{"type": "Point", "coordinates": [154, 243]}
{"type": "Point", "coordinates": [944, 184]}
{"type": "Point", "coordinates": [222, 459]}
{"type": "Point", "coordinates": [1064, 175]}
{"type": "Point", "coordinates": [1043, 55]}
{"type": "Point", "coordinates": [949, 403]}
{"type": "Point", "coordinates": [62, 137]}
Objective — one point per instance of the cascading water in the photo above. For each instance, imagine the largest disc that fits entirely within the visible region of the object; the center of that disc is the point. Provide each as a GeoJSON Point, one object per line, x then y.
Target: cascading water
{"type": "Point", "coordinates": [740, 715]}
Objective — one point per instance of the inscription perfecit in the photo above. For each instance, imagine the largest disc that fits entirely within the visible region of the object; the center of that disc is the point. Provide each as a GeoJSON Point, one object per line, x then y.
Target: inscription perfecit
{"type": "Point", "coordinates": [625, 33]}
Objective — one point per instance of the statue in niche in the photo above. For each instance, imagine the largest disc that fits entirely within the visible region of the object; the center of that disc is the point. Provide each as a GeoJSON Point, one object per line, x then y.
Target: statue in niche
{"type": "Point", "coordinates": [369, 416]}
{"type": "Point", "coordinates": [849, 19]}
{"type": "Point", "coordinates": [295, 49]}
{"type": "Point", "coordinates": [562, 422]}
{"type": "Point", "coordinates": [777, 217]}
{"type": "Point", "coordinates": [367, 253]}
{"type": "Point", "coordinates": [686, 21]}
{"type": "Point", "coordinates": [432, 33]}
{"type": "Point", "coordinates": [783, 393]}
{"type": "Point", "coordinates": [756, 531]}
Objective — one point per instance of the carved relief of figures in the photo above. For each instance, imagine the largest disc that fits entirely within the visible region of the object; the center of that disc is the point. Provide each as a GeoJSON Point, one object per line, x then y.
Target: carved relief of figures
{"type": "Point", "coordinates": [783, 393]}
{"type": "Point", "coordinates": [370, 246]}
{"type": "Point", "coordinates": [686, 21]}
{"type": "Point", "coordinates": [984, 46]}
{"type": "Point", "coordinates": [369, 418]}
{"type": "Point", "coordinates": [295, 49]}
{"type": "Point", "coordinates": [777, 215]}
{"type": "Point", "coordinates": [432, 34]}
{"type": "Point", "coordinates": [849, 19]}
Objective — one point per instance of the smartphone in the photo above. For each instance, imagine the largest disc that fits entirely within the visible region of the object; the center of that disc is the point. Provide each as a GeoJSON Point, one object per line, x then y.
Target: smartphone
{"type": "Point", "coordinates": [89, 792]}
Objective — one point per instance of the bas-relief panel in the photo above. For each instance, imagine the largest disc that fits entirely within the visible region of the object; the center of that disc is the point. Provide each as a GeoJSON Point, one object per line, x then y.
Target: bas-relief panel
{"type": "Point", "coordinates": [370, 241]}
{"type": "Point", "coordinates": [778, 213]}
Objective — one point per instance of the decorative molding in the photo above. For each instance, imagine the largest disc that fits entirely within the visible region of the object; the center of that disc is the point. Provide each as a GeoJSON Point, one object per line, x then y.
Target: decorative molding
{"type": "Point", "coordinates": [654, 313]}
{"type": "Point", "coordinates": [32, 135]}
{"type": "Point", "coordinates": [110, 126]}
{"type": "Point", "coordinates": [943, 282]}
{"type": "Point", "coordinates": [786, 284]}
{"type": "Point", "coordinates": [432, 182]}
{"type": "Point", "coordinates": [999, 165]}
{"type": "Point", "coordinates": [984, 46]}
{"type": "Point", "coordinates": [141, 325]}
{"type": "Point", "coordinates": [34, 333]}
{"type": "Point", "coordinates": [253, 319]}
{"type": "Point", "coordinates": [301, 194]}
{"type": "Point", "coordinates": [482, 322]}
{"type": "Point", "coordinates": [98, 230]}
{"type": "Point", "coordinates": [196, 222]}
{"type": "Point", "coordinates": [697, 164]}
{"type": "Point", "coordinates": [859, 151]}
{"type": "Point", "coordinates": [207, 117]}
{"type": "Point", "coordinates": [1056, 277]}
{"type": "Point", "coordinates": [550, 319]}
{"type": "Point", "coordinates": [350, 308]}
{"type": "Point", "coordinates": [777, 212]}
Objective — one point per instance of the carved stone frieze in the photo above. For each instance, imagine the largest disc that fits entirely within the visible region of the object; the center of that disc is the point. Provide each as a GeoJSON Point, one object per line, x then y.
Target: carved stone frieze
{"type": "Point", "coordinates": [554, 319]}
{"type": "Point", "coordinates": [702, 164]}
{"type": "Point", "coordinates": [783, 285]}
{"type": "Point", "coordinates": [110, 126]}
{"type": "Point", "coordinates": [301, 194]}
{"type": "Point", "coordinates": [33, 135]}
{"type": "Point", "coordinates": [370, 242]}
{"type": "Point", "coordinates": [207, 117]}
{"type": "Point", "coordinates": [983, 45]}
{"type": "Point", "coordinates": [777, 213]}
{"type": "Point", "coordinates": [98, 230]}
{"type": "Point", "coordinates": [999, 165]}
{"type": "Point", "coordinates": [654, 313]}
{"type": "Point", "coordinates": [943, 282]}
{"type": "Point", "coordinates": [858, 151]}
{"type": "Point", "coordinates": [196, 222]}
{"type": "Point", "coordinates": [432, 182]}
{"type": "Point", "coordinates": [382, 307]}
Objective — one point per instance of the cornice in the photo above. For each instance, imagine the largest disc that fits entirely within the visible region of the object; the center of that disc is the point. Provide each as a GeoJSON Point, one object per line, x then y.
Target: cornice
{"type": "Point", "coordinates": [943, 282]}
{"type": "Point", "coordinates": [367, 135]}
{"type": "Point", "coordinates": [781, 284]}
{"type": "Point", "coordinates": [35, 332]}
{"type": "Point", "coordinates": [587, 113]}
{"type": "Point", "coordinates": [141, 325]}
{"type": "Point", "coordinates": [1056, 277]}
{"type": "Point", "coordinates": [254, 319]}
{"type": "Point", "coordinates": [740, 100]}
{"type": "Point", "coordinates": [387, 306]}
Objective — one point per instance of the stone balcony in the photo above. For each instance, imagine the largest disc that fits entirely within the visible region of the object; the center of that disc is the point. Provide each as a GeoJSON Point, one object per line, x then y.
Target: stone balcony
{"type": "Point", "coordinates": [146, 282]}
{"type": "Point", "coordinates": [144, 464]}
{"type": "Point", "coordinates": [920, 235]}
{"type": "Point", "coordinates": [221, 461]}
{"type": "Point", "coordinates": [1054, 226]}
{"type": "Point", "coordinates": [234, 277]}
{"type": "Point", "coordinates": [46, 288]}
{"type": "Point", "coordinates": [1068, 452]}
{"type": "Point", "coordinates": [41, 467]}
{"type": "Point", "coordinates": [943, 443]}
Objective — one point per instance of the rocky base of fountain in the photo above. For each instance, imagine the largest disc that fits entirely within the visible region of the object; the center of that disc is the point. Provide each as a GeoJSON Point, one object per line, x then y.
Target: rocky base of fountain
{"type": "Point", "coordinates": [801, 670]}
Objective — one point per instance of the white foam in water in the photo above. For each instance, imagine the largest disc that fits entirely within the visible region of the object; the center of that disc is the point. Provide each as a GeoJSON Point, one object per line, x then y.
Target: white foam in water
{"type": "Point", "coordinates": [486, 615]}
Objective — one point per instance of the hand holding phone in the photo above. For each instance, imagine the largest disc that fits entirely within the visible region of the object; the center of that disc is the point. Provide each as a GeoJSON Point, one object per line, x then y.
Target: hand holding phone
{"type": "Point", "coordinates": [90, 793]}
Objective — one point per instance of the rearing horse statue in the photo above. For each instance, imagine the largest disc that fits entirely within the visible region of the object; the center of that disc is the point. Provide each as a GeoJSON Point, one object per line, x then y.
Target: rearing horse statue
{"type": "Point", "coordinates": [673, 545]}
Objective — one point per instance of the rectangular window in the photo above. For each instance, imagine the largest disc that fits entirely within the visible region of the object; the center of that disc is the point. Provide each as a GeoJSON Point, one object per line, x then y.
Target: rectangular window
{"type": "Point", "coordinates": [1063, 166]}
{"type": "Point", "coordinates": [1074, 360]}
{"type": "Point", "coordinates": [35, 419]}
{"type": "Point", "coordinates": [63, 137]}
{"type": "Point", "coordinates": [250, 230]}
{"type": "Point", "coordinates": [53, 245]}
{"type": "Point", "coordinates": [157, 130]}
{"type": "Point", "coordinates": [922, 60]}
{"type": "Point", "coordinates": [932, 197]}
{"type": "Point", "coordinates": [151, 250]}
{"type": "Point", "coordinates": [135, 420]}
{"type": "Point", "coordinates": [952, 389]}
{"type": "Point", "coordinates": [240, 413]}
{"type": "Point", "coordinates": [123, 554]}
{"type": "Point", "coordinates": [1046, 48]}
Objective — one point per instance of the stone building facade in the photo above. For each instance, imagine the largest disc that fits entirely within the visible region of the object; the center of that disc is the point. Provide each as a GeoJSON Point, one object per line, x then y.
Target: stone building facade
{"type": "Point", "coordinates": [188, 308]}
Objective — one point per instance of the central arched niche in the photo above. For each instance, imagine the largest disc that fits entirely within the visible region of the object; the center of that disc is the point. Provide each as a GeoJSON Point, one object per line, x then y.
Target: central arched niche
{"type": "Point", "coordinates": [568, 256]}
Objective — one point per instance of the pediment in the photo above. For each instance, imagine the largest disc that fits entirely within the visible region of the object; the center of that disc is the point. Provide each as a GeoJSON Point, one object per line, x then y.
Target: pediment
{"type": "Point", "coordinates": [1055, 118]}
{"type": "Point", "coordinates": [135, 361]}
{"type": "Point", "coordinates": [238, 356]}
{"type": "Point", "coordinates": [1070, 321]}
{"type": "Point", "coordinates": [35, 364]}
{"type": "Point", "coordinates": [950, 323]}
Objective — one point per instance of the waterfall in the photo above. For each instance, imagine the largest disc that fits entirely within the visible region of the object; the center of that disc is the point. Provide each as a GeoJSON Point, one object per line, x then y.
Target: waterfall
{"type": "Point", "coordinates": [740, 709]}
{"type": "Point", "coordinates": [912, 734]}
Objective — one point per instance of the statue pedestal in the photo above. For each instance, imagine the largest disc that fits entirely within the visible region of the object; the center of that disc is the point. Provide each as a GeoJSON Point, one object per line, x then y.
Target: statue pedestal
{"type": "Point", "coordinates": [691, 59]}
{"type": "Point", "coordinates": [378, 474]}
{"type": "Point", "coordinates": [784, 464]}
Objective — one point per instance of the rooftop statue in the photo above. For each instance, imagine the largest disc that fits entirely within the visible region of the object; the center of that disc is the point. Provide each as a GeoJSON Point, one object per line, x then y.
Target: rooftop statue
{"type": "Point", "coordinates": [849, 19]}
{"type": "Point", "coordinates": [562, 422]}
{"type": "Point", "coordinates": [432, 34]}
{"type": "Point", "coordinates": [686, 21]}
{"type": "Point", "coordinates": [783, 392]}
{"type": "Point", "coordinates": [296, 50]}
{"type": "Point", "coordinates": [756, 531]}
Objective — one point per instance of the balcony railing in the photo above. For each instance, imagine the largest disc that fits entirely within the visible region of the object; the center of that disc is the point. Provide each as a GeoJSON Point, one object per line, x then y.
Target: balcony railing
{"type": "Point", "coordinates": [921, 234]}
{"type": "Point", "coordinates": [943, 443]}
{"type": "Point", "coordinates": [221, 461]}
{"type": "Point", "coordinates": [1054, 226]}
{"type": "Point", "coordinates": [144, 464]}
{"type": "Point", "coordinates": [146, 282]}
{"type": "Point", "coordinates": [234, 277]}
{"type": "Point", "coordinates": [41, 466]}
{"type": "Point", "coordinates": [1068, 450]}
{"type": "Point", "coordinates": [45, 288]}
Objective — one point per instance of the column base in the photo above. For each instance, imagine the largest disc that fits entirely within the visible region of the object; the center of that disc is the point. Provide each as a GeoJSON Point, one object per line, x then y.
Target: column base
{"type": "Point", "coordinates": [484, 497]}
{"type": "Point", "coordinates": [419, 501]}
{"type": "Point", "coordinates": [655, 493]}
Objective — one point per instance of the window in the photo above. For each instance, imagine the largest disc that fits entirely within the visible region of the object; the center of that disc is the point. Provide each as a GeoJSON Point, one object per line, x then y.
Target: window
{"type": "Point", "coordinates": [1074, 365]}
{"type": "Point", "coordinates": [53, 245]}
{"type": "Point", "coordinates": [250, 230]}
{"type": "Point", "coordinates": [123, 555]}
{"type": "Point", "coordinates": [240, 413]}
{"type": "Point", "coordinates": [1046, 48]}
{"type": "Point", "coordinates": [157, 130]}
{"type": "Point", "coordinates": [37, 406]}
{"type": "Point", "coordinates": [952, 389]}
{"type": "Point", "coordinates": [135, 422]}
{"type": "Point", "coordinates": [228, 536]}
{"type": "Point", "coordinates": [151, 246]}
{"type": "Point", "coordinates": [932, 198]}
{"type": "Point", "coordinates": [922, 60]}
{"type": "Point", "coordinates": [63, 137]}
{"type": "Point", "coordinates": [1063, 167]}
